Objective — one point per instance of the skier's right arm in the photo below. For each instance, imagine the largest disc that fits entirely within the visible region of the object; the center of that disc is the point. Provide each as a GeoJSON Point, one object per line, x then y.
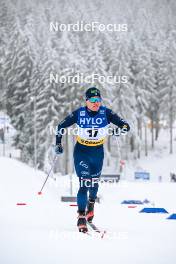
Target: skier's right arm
{"type": "Point", "coordinates": [68, 121]}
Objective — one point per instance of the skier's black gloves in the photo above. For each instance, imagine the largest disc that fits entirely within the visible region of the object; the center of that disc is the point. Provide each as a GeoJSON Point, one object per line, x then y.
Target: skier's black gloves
{"type": "Point", "coordinates": [59, 149]}
{"type": "Point", "coordinates": [120, 131]}
{"type": "Point", "coordinates": [124, 130]}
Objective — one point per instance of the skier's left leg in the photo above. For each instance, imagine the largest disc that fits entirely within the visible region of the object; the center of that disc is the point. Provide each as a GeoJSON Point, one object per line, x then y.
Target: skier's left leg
{"type": "Point", "coordinates": [96, 168]}
{"type": "Point", "coordinates": [93, 190]}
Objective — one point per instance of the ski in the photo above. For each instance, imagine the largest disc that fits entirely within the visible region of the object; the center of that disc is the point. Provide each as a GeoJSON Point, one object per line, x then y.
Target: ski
{"type": "Point", "coordinates": [86, 233]}
{"type": "Point", "coordinates": [96, 229]}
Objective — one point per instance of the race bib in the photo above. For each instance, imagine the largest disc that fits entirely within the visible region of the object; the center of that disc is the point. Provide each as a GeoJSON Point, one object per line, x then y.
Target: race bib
{"type": "Point", "coordinates": [92, 131]}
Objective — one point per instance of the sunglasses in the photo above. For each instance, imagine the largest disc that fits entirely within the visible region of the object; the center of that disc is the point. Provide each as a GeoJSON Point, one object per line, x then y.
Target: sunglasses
{"type": "Point", "coordinates": [95, 100]}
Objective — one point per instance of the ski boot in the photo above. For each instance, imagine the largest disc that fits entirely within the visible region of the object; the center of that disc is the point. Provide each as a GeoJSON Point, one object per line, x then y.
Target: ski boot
{"type": "Point", "coordinates": [90, 210]}
{"type": "Point", "coordinates": [82, 222]}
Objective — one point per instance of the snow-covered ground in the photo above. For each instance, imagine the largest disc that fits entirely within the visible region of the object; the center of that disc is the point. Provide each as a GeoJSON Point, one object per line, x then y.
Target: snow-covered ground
{"type": "Point", "coordinates": [44, 231]}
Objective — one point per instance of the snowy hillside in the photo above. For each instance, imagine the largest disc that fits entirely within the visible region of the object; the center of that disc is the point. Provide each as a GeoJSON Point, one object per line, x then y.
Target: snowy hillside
{"type": "Point", "coordinates": [44, 230]}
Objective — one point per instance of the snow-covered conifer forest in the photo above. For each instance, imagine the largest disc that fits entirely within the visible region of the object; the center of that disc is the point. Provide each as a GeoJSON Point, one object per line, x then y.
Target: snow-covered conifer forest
{"type": "Point", "coordinates": [31, 50]}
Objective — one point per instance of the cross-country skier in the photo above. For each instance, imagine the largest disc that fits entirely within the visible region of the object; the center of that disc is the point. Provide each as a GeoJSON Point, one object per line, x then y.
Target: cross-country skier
{"type": "Point", "coordinates": [92, 120]}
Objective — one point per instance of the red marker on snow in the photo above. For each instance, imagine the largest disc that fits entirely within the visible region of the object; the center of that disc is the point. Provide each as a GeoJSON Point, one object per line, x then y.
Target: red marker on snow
{"type": "Point", "coordinates": [21, 204]}
{"type": "Point", "coordinates": [132, 206]}
{"type": "Point", "coordinates": [39, 193]}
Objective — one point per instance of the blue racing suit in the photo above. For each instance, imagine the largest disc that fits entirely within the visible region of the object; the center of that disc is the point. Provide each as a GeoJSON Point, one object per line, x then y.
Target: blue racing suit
{"type": "Point", "coordinates": [88, 151]}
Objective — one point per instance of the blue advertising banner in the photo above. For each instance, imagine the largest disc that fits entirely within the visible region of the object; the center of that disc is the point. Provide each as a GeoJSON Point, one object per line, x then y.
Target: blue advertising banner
{"type": "Point", "coordinates": [142, 175]}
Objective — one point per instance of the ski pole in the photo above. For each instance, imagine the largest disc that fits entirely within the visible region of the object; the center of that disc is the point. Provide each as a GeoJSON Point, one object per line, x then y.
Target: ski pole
{"type": "Point", "coordinates": [52, 166]}
{"type": "Point", "coordinates": [119, 148]}
{"type": "Point", "coordinates": [118, 144]}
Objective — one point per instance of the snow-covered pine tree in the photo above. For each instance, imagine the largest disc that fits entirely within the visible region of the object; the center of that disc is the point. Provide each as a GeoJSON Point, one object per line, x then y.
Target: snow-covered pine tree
{"type": "Point", "coordinates": [121, 95]}
{"type": "Point", "coordinates": [18, 67]}
{"type": "Point", "coordinates": [168, 83]}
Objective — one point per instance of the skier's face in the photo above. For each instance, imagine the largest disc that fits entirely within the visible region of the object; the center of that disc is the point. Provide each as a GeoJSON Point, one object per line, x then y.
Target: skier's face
{"type": "Point", "coordinates": [94, 103]}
